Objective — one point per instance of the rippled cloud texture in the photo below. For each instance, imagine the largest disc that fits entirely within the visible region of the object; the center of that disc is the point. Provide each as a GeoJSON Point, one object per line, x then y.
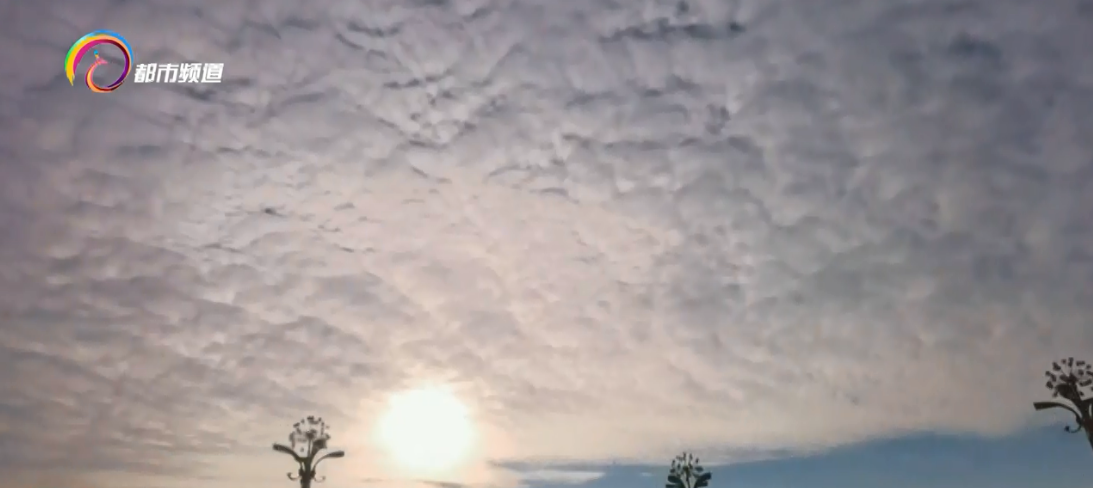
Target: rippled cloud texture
{"type": "Point", "coordinates": [619, 228]}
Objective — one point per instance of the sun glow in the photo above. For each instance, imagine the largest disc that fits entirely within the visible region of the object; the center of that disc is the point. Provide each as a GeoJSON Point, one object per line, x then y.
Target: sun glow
{"type": "Point", "coordinates": [427, 430]}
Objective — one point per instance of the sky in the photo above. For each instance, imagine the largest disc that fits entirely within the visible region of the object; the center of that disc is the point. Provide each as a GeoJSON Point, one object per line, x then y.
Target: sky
{"type": "Point", "coordinates": [819, 244]}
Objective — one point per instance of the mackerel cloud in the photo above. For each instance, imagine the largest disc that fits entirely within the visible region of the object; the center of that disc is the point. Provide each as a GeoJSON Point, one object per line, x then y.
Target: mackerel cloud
{"type": "Point", "coordinates": [620, 229]}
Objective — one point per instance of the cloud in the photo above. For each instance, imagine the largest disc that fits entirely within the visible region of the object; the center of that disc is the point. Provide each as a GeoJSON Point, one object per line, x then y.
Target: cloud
{"type": "Point", "coordinates": [617, 231]}
{"type": "Point", "coordinates": [561, 476]}
{"type": "Point", "coordinates": [445, 484]}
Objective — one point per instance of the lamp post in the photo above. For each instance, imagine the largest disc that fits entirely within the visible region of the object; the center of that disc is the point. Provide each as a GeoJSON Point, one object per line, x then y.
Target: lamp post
{"type": "Point", "coordinates": [686, 472]}
{"type": "Point", "coordinates": [1067, 379]}
{"type": "Point", "coordinates": [306, 441]}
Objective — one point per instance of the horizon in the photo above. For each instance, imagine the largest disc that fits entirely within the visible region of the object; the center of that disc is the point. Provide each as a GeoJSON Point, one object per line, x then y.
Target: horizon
{"type": "Point", "coordinates": [546, 243]}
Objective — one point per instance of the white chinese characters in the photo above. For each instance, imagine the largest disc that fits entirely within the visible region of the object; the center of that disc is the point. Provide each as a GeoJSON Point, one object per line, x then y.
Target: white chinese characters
{"type": "Point", "coordinates": [179, 73]}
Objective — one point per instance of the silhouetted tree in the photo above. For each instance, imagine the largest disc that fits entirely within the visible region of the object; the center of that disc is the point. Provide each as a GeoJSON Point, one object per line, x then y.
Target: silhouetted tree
{"type": "Point", "coordinates": [686, 472]}
{"type": "Point", "coordinates": [1069, 380]}
{"type": "Point", "coordinates": [306, 441]}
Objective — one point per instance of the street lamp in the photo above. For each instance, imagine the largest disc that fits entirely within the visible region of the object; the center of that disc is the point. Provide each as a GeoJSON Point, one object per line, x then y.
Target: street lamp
{"type": "Point", "coordinates": [1067, 379]}
{"type": "Point", "coordinates": [687, 472]}
{"type": "Point", "coordinates": [306, 441]}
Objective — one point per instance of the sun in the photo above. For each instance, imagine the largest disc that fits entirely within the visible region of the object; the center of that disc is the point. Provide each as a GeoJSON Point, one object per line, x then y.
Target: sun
{"type": "Point", "coordinates": [427, 430]}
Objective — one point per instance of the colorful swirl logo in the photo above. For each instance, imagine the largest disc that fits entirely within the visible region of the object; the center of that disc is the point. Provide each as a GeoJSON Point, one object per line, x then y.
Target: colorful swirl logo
{"type": "Point", "coordinates": [88, 43]}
